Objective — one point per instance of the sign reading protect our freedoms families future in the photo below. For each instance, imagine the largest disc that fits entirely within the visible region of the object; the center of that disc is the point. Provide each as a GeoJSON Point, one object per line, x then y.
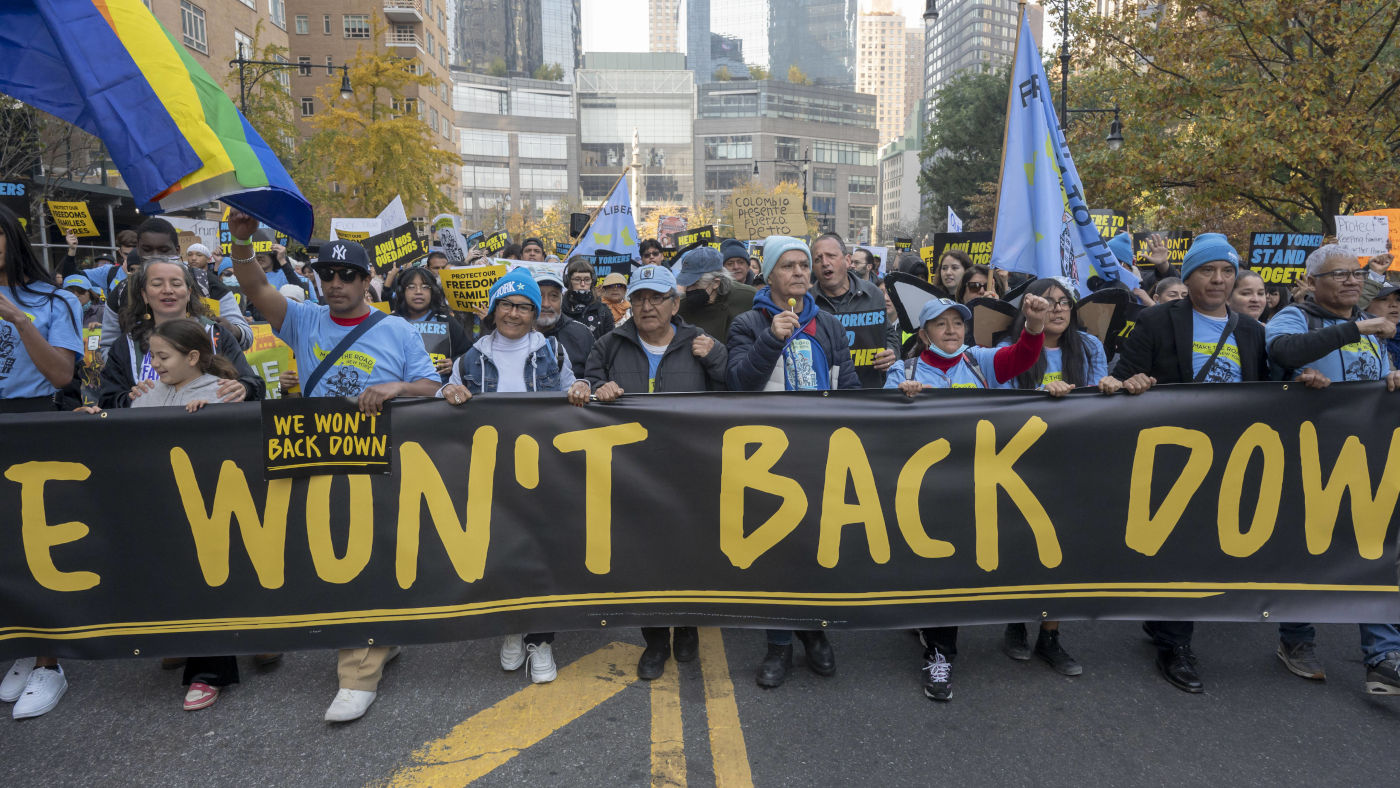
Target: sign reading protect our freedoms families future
{"type": "Point", "coordinates": [758, 216]}
{"type": "Point", "coordinates": [399, 246]}
{"type": "Point", "coordinates": [1279, 258]}
{"type": "Point", "coordinates": [73, 217]}
{"type": "Point", "coordinates": [861, 509]}
{"type": "Point", "coordinates": [316, 436]}
{"type": "Point", "coordinates": [467, 289]}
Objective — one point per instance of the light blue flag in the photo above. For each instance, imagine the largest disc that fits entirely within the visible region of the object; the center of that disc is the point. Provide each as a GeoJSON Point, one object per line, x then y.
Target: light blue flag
{"type": "Point", "coordinates": [614, 229]}
{"type": "Point", "coordinates": [1043, 224]}
{"type": "Point", "coordinates": [954, 221]}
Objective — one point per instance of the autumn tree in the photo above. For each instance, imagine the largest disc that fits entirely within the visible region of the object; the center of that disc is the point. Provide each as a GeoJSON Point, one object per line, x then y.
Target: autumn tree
{"type": "Point", "coordinates": [962, 149]}
{"type": "Point", "coordinates": [269, 109]}
{"type": "Point", "coordinates": [373, 146]}
{"type": "Point", "coordinates": [757, 72]}
{"type": "Point", "coordinates": [797, 76]}
{"type": "Point", "coordinates": [1234, 108]}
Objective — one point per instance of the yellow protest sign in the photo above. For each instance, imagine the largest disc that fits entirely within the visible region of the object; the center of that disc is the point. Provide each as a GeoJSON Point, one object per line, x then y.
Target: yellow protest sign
{"type": "Point", "coordinates": [269, 357]}
{"type": "Point", "coordinates": [382, 306]}
{"type": "Point", "coordinates": [212, 305]}
{"type": "Point", "coordinates": [73, 217]}
{"type": "Point", "coordinates": [466, 288]}
{"type": "Point", "coordinates": [352, 235]}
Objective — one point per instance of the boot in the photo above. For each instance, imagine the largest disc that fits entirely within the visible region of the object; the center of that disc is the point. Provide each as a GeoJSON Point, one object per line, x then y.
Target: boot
{"type": "Point", "coordinates": [776, 665]}
{"type": "Point", "coordinates": [686, 643]}
{"type": "Point", "coordinates": [820, 656]}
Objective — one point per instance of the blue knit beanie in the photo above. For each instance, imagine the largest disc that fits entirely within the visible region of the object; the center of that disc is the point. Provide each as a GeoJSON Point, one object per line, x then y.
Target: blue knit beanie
{"type": "Point", "coordinates": [1208, 248]}
{"type": "Point", "coordinates": [518, 282]}
{"type": "Point", "coordinates": [775, 245]}
{"type": "Point", "coordinates": [1122, 248]}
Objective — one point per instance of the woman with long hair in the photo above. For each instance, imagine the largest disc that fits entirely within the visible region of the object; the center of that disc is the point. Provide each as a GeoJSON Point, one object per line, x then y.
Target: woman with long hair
{"type": "Point", "coordinates": [41, 335]}
{"type": "Point", "coordinates": [951, 267]}
{"type": "Point", "coordinates": [419, 300]}
{"type": "Point", "coordinates": [976, 282]}
{"type": "Point", "coordinates": [157, 293]}
{"type": "Point", "coordinates": [1070, 358]}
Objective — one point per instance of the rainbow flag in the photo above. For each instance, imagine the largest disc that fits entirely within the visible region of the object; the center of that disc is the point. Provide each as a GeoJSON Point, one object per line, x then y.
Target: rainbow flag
{"type": "Point", "coordinates": [109, 68]}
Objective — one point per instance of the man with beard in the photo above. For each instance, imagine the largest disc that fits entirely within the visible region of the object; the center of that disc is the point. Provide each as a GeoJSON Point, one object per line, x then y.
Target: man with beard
{"type": "Point", "coordinates": [552, 322]}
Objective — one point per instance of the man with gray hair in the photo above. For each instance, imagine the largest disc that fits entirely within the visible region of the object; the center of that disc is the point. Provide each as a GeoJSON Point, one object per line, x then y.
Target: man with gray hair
{"type": "Point", "coordinates": [859, 305]}
{"type": "Point", "coordinates": [1326, 331]}
{"type": "Point", "coordinates": [712, 299]}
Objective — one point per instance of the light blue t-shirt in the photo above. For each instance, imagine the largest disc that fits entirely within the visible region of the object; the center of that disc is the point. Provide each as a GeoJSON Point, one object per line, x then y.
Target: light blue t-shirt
{"type": "Point", "coordinates": [654, 356]}
{"type": "Point", "coordinates": [960, 376]}
{"type": "Point", "coordinates": [1205, 335]}
{"type": "Point", "coordinates": [1363, 359]}
{"type": "Point", "coordinates": [98, 276]}
{"type": "Point", "coordinates": [58, 319]}
{"type": "Point", "coordinates": [390, 352]}
{"type": "Point", "coordinates": [1054, 363]}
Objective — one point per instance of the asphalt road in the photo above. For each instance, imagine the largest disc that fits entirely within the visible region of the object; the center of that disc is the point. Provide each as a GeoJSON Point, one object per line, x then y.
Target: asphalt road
{"type": "Point", "coordinates": [1009, 724]}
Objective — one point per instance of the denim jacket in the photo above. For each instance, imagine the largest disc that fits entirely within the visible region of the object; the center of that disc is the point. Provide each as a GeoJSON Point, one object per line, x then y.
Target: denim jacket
{"type": "Point", "coordinates": [546, 369]}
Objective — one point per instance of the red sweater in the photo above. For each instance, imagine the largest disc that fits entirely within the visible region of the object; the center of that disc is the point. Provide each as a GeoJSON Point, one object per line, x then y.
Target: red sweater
{"type": "Point", "coordinates": [1008, 362]}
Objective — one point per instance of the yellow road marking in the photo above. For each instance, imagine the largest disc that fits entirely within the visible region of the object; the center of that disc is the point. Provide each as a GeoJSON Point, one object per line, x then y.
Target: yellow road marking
{"type": "Point", "coordinates": [493, 736]}
{"type": "Point", "coordinates": [667, 731]}
{"type": "Point", "coordinates": [727, 749]}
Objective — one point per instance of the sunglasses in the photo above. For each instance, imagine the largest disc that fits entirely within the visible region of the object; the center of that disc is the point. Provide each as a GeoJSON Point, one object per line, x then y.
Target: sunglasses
{"type": "Point", "coordinates": [343, 274]}
{"type": "Point", "coordinates": [977, 287]}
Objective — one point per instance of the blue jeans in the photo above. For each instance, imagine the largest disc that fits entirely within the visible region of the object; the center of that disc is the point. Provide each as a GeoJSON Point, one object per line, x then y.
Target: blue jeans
{"type": "Point", "coordinates": [780, 637]}
{"type": "Point", "coordinates": [1377, 640]}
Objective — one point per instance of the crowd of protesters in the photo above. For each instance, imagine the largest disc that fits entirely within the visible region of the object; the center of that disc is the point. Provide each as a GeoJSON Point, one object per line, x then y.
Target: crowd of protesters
{"type": "Point", "coordinates": [794, 317]}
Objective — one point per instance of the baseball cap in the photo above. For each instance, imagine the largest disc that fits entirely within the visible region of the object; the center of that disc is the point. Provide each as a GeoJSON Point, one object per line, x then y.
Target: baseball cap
{"type": "Point", "coordinates": [347, 254]}
{"type": "Point", "coordinates": [613, 279]}
{"type": "Point", "coordinates": [697, 262]}
{"type": "Point", "coordinates": [549, 278]}
{"type": "Point", "coordinates": [103, 256]}
{"type": "Point", "coordinates": [77, 280]}
{"type": "Point", "coordinates": [657, 278]}
{"type": "Point", "coordinates": [938, 306]}
{"type": "Point", "coordinates": [1387, 289]}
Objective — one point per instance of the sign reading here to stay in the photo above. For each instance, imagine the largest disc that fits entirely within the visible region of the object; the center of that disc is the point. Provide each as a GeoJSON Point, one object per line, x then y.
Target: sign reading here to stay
{"type": "Point", "coordinates": [312, 436]}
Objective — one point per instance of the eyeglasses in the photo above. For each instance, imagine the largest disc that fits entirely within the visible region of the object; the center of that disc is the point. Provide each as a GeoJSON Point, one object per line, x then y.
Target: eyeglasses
{"type": "Point", "coordinates": [581, 279]}
{"type": "Point", "coordinates": [418, 288]}
{"type": "Point", "coordinates": [1341, 276]}
{"type": "Point", "coordinates": [343, 274]}
{"type": "Point", "coordinates": [977, 287]}
{"type": "Point", "coordinates": [525, 308]}
{"type": "Point", "coordinates": [652, 299]}
{"type": "Point", "coordinates": [1061, 303]}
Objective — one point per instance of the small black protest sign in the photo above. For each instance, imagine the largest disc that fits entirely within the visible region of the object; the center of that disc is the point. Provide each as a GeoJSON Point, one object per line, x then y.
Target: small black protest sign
{"type": "Point", "coordinates": [399, 246]}
{"type": "Point", "coordinates": [1177, 241]}
{"type": "Point", "coordinates": [312, 436]}
{"type": "Point", "coordinates": [699, 235]}
{"type": "Point", "coordinates": [495, 242]}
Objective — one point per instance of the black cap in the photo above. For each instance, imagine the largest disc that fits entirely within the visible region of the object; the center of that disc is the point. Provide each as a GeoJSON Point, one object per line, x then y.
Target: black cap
{"type": "Point", "coordinates": [343, 253]}
{"type": "Point", "coordinates": [1389, 288]}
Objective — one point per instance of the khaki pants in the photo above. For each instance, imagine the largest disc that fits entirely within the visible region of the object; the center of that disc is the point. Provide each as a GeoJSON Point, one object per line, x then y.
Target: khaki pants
{"type": "Point", "coordinates": [361, 668]}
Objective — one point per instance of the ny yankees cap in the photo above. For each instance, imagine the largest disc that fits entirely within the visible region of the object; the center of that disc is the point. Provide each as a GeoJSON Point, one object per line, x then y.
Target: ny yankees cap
{"type": "Point", "coordinates": [343, 254]}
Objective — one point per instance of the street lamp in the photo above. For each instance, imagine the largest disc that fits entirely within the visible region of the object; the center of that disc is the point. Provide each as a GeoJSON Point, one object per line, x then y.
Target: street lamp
{"type": "Point", "coordinates": [800, 164]}
{"type": "Point", "coordinates": [931, 11]}
{"type": "Point", "coordinates": [1115, 129]}
{"type": "Point", "coordinates": [269, 66]}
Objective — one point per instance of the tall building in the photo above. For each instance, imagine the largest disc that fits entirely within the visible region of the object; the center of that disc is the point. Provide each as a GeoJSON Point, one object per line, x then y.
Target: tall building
{"type": "Point", "coordinates": [900, 201]}
{"type": "Point", "coordinates": [774, 125]}
{"type": "Point", "coordinates": [664, 26]}
{"type": "Point", "coordinates": [651, 95]}
{"type": "Point", "coordinates": [913, 69]}
{"type": "Point", "coordinates": [972, 34]}
{"type": "Point", "coordinates": [519, 142]}
{"type": "Point", "coordinates": [817, 36]}
{"type": "Point", "coordinates": [882, 65]}
{"type": "Point", "coordinates": [515, 37]}
{"type": "Point", "coordinates": [327, 33]}
{"type": "Point", "coordinates": [213, 30]}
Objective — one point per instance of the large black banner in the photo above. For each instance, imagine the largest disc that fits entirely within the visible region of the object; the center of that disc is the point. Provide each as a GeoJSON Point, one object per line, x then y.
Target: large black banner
{"type": "Point", "coordinates": [150, 532]}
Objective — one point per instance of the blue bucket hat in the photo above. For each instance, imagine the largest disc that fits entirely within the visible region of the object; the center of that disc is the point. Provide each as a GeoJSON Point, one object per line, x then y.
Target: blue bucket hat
{"type": "Point", "coordinates": [937, 306]}
{"type": "Point", "coordinates": [1208, 248]}
{"type": "Point", "coordinates": [775, 245]}
{"type": "Point", "coordinates": [518, 282]}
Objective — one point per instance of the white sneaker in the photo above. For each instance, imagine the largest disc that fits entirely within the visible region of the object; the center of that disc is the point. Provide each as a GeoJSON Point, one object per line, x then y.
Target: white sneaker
{"type": "Point", "coordinates": [541, 663]}
{"type": "Point", "coordinates": [512, 652]}
{"type": "Point", "coordinates": [13, 684]}
{"type": "Point", "coordinates": [349, 705]}
{"type": "Point", "coordinates": [41, 693]}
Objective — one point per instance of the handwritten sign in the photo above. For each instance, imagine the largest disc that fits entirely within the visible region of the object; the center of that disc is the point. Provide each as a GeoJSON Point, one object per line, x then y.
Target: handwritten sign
{"type": "Point", "coordinates": [1365, 236]}
{"type": "Point", "coordinates": [399, 246]}
{"type": "Point", "coordinates": [73, 217]}
{"type": "Point", "coordinates": [1393, 215]}
{"type": "Point", "coordinates": [467, 288]}
{"type": "Point", "coordinates": [759, 216]}
{"type": "Point", "coordinates": [353, 229]}
{"type": "Point", "coordinates": [314, 436]}
{"type": "Point", "coordinates": [1279, 258]}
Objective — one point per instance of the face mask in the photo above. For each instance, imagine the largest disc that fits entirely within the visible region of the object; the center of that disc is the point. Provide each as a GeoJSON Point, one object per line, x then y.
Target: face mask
{"type": "Point", "coordinates": [941, 353]}
{"type": "Point", "coordinates": [230, 280]}
{"type": "Point", "coordinates": [581, 296]}
{"type": "Point", "coordinates": [696, 297]}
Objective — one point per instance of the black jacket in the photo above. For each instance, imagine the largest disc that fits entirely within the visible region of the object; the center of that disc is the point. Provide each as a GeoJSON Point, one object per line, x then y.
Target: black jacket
{"type": "Point", "coordinates": [861, 309]}
{"type": "Point", "coordinates": [593, 314]}
{"type": "Point", "coordinates": [1160, 346]}
{"type": "Point", "coordinates": [619, 357]}
{"type": "Point", "coordinates": [576, 339]}
{"type": "Point", "coordinates": [117, 378]}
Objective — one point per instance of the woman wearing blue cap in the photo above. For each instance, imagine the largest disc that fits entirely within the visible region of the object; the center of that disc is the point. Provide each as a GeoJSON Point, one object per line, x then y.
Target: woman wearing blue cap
{"type": "Point", "coordinates": [512, 357]}
{"type": "Point", "coordinates": [947, 362]}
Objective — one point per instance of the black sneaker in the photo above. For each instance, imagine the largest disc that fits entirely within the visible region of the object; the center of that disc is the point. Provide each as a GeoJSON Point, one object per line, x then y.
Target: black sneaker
{"type": "Point", "coordinates": [1383, 678]}
{"type": "Point", "coordinates": [1015, 644]}
{"type": "Point", "coordinates": [938, 684]}
{"type": "Point", "coordinates": [653, 661]}
{"type": "Point", "coordinates": [1047, 647]}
